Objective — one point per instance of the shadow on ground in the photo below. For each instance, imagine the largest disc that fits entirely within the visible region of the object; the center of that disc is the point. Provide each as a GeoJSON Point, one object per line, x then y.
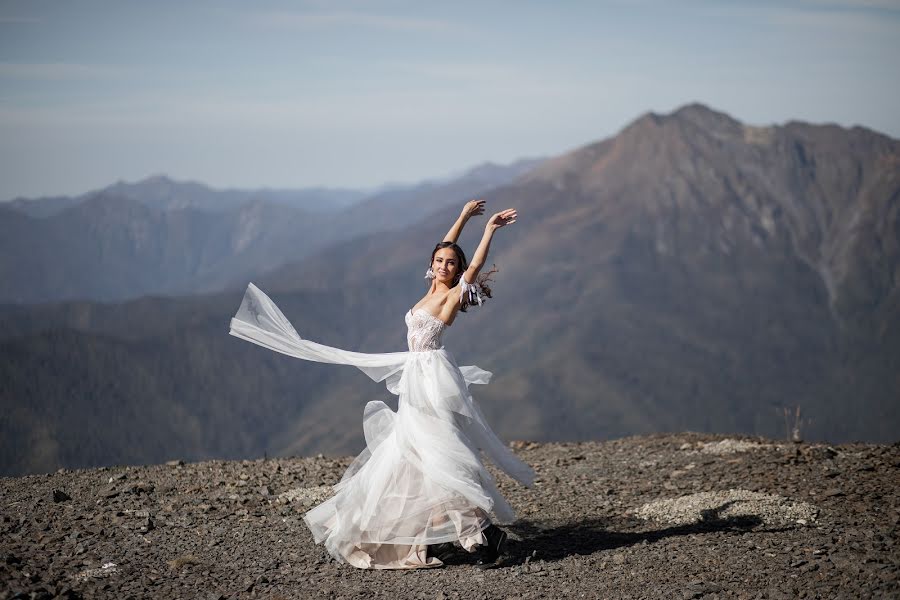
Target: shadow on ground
{"type": "Point", "coordinates": [550, 543]}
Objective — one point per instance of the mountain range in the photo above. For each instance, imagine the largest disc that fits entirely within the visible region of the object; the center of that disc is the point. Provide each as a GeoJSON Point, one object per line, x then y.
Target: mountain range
{"type": "Point", "coordinates": [689, 273]}
{"type": "Point", "coordinates": [164, 237]}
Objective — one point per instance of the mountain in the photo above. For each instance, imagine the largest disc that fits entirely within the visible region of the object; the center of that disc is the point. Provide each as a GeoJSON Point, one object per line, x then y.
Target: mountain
{"type": "Point", "coordinates": [689, 273]}
{"type": "Point", "coordinates": [41, 207]}
{"type": "Point", "coordinates": [111, 247]}
{"type": "Point", "coordinates": [159, 236]}
{"type": "Point", "coordinates": [398, 208]}
{"type": "Point", "coordinates": [163, 193]}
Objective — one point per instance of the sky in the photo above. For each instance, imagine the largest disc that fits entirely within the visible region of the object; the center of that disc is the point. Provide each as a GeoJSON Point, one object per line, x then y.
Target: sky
{"type": "Point", "coordinates": [360, 94]}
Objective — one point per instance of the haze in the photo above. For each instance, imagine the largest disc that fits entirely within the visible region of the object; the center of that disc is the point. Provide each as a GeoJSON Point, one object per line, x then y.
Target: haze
{"type": "Point", "coordinates": [357, 94]}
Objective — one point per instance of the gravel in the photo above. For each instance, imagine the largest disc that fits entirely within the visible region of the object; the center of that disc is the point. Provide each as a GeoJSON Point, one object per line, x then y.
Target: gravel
{"type": "Point", "coordinates": [306, 496]}
{"type": "Point", "coordinates": [769, 509]}
{"type": "Point", "coordinates": [732, 446]}
{"type": "Point", "coordinates": [640, 517]}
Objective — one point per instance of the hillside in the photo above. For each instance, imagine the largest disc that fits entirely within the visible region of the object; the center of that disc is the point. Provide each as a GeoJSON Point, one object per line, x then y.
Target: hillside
{"type": "Point", "coordinates": [163, 237]}
{"type": "Point", "coordinates": [675, 516]}
{"type": "Point", "coordinates": [689, 273]}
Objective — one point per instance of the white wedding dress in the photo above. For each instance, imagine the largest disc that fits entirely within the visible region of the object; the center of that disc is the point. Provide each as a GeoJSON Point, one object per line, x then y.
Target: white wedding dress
{"type": "Point", "coordinates": [420, 480]}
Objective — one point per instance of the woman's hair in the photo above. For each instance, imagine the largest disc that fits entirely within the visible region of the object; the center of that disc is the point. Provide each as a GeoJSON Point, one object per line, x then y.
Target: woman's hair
{"type": "Point", "coordinates": [481, 280]}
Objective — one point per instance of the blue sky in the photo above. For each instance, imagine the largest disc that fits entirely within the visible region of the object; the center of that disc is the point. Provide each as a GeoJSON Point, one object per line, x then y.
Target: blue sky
{"type": "Point", "coordinates": [356, 94]}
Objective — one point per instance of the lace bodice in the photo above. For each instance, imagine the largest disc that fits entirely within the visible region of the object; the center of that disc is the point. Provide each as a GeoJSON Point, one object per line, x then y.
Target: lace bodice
{"type": "Point", "coordinates": [423, 330]}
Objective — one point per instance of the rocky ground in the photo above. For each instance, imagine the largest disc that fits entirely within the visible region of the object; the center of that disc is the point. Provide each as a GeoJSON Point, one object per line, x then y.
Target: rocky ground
{"type": "Point", "coordinates": [665, 516]}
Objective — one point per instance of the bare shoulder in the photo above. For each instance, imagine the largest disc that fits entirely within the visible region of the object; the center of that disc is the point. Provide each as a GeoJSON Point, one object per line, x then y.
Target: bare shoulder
{"type": "Point", "coordinates": [450, 304]}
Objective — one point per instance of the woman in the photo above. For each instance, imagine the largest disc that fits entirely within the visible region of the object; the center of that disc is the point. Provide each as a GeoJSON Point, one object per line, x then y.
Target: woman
{"type": "Point", "coordinates": [420, 485]}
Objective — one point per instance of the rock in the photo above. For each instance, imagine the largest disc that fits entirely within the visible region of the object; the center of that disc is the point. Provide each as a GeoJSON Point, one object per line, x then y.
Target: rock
{"type": "Point", "coordinates": [60, 496]}
{"type": "Point", "coordinates": [583, 527]}
{"type": "Point", "coordinates": [147, 525]}
{"type": "Point", "coordinates": [141, 487]}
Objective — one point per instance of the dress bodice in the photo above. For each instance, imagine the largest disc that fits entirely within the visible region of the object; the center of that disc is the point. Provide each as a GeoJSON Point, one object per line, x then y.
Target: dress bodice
{"type": "Point", "coordinates": [424, 330]}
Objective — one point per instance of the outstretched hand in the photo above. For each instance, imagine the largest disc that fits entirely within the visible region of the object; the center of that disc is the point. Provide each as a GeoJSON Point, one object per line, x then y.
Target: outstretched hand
{"type": "Point", "coordinates": [501, 219]}
{"type": "Point", "coordinates": [473, 208]}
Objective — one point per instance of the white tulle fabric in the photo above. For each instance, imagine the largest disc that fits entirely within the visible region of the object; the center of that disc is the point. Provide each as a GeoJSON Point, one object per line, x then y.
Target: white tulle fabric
{"type": "Point", "coordinates": [420, 480]}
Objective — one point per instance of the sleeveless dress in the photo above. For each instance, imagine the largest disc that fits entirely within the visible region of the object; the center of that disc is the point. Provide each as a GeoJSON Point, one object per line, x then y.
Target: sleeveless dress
{"type": "Point", "coordinates": [420, 480]}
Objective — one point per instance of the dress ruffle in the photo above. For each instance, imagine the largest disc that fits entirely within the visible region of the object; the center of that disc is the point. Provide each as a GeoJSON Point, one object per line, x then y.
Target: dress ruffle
{"type": "Point", "coordinates": [420, 480]}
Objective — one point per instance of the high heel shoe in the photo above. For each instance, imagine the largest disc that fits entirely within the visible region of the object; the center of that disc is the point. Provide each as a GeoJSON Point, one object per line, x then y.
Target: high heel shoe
{"type": "Point", "coordinates": [496, 544]}
{"type": "Point", "coordinates": [441, 551]}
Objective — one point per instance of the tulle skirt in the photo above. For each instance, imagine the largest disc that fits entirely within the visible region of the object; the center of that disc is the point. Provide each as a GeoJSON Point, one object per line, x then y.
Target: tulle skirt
{"type": "Point", "coordinates": [420, 480]}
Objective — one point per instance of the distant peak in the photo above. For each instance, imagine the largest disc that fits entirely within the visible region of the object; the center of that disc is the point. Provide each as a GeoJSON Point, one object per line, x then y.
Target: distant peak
{"type": "Point", "coordinates": [704, 116]}
{"type": "Point", "coordinates": [483, 167]}
{"type": "Point", "coordinates": [158, 179]}
{"type": "Point", "coordinates": [155, 180]}
{"type": "Point", "coordinates": [697, 109]}
{"type": "Point", "coordinates": [694, 114]}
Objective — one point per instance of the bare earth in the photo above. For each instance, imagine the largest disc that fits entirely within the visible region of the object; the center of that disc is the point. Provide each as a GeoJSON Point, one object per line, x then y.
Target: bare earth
{"type": "Point", "coordinates": [663, 516]}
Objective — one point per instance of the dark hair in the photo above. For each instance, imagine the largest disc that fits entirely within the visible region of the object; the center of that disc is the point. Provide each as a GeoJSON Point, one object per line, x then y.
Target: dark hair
{"type": "Point", "coordinates": [482, 278]}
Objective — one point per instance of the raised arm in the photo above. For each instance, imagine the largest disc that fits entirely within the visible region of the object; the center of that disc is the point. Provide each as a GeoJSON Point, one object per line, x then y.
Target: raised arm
{"type": "Point", "coordinates": [501, 219]}
{"type": "Point", "coordinates": [471, 209]}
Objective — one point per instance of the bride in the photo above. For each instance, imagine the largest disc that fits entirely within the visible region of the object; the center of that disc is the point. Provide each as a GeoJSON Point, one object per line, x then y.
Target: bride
{"type": "Point", "coordinates": [419, 487]}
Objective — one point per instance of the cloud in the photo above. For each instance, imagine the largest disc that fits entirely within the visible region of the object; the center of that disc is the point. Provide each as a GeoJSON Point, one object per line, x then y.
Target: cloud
{"type": "Point", "coordinates": [310, 20]}
{"type": "Point", "coordinates": [57, 71]}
